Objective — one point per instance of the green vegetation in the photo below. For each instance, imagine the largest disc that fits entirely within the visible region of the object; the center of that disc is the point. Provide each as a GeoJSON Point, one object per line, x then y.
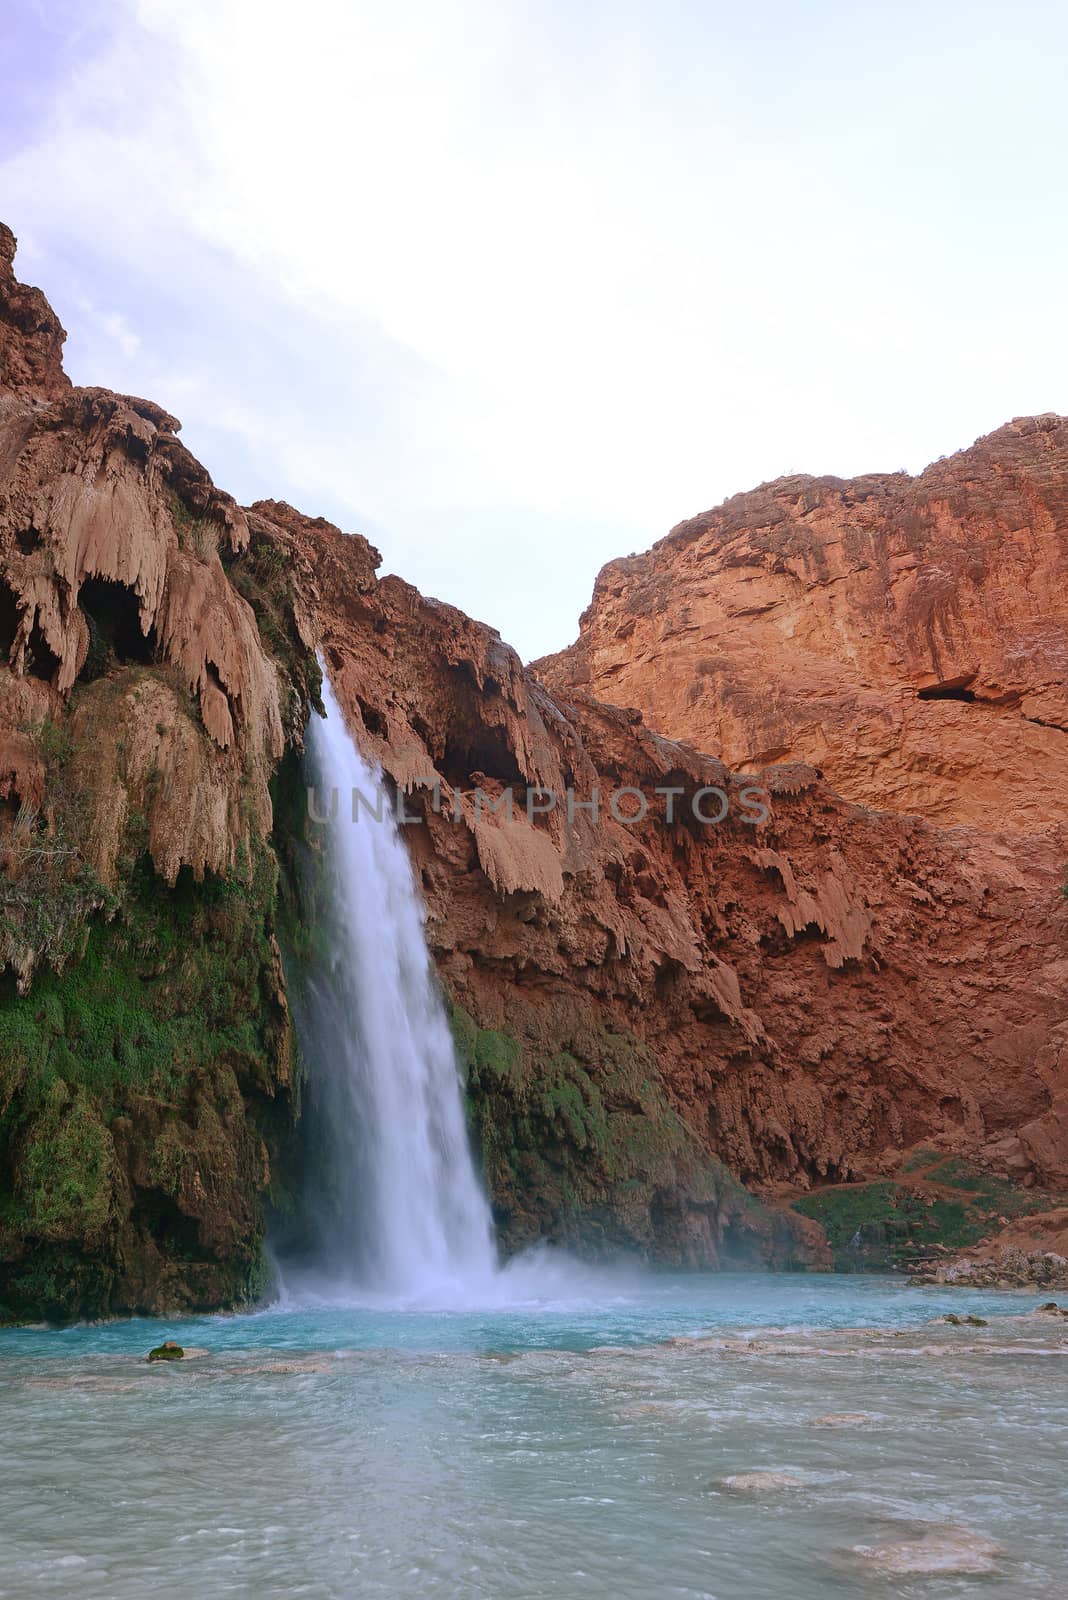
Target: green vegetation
{"type": "Point", "coordinates": [164, 1045]}
{"type": "Point", "coordinates": [934, 1200]}
{"type": "Point", "coordinates": [47, 890]}
{"type": "Point", "coordinates": [262, 575]}
{"type": "Point", "coordinates": [148, 1079]}
{"type": "Point", "coordinates": [196, 534]}
{"type": "Point", "coordinates": [161, 987]}
{"type": "Point", "coordinates": [588, 1148]}
{"type": "Point", "coordinates": [918, 1159]}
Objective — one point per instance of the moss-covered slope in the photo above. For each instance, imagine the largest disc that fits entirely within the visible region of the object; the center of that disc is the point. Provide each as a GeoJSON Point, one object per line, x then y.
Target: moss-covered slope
{"type": "Point", "coordinates": [583, 1146]}
{"type": "Point", "coordinates": [933, 1201]}
{"type": "Point", "coordinates": [143, 1092]}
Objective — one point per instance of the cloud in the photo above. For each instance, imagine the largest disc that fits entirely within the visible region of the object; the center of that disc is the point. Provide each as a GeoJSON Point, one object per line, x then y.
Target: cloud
{"type": "Point", "coordinates": [575, 272]}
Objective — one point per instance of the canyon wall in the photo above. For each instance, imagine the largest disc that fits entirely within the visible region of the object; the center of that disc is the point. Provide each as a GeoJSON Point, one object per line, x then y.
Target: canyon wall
{"type": "Point", "coordinates": [146, 1061]}
{"type": "Point", "coordinates": [669, 1028]}
{"type": "Point", "coordinates": [907, 636]}
{"type": "Point", "coordinates": [820, 992]}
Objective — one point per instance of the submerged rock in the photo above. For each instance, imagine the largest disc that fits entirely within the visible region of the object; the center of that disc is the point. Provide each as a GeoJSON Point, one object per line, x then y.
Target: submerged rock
{"type": "Point", "coordinates": [947, 1549]}
{"type": "Point", "coordinates": [759, 1482]}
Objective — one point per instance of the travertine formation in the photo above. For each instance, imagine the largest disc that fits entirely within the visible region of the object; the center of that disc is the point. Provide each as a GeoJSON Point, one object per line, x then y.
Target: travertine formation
{"type": "Point", "coordinates": [146, 1078]}
{"type": "Point", "coordinates": [112, 542]}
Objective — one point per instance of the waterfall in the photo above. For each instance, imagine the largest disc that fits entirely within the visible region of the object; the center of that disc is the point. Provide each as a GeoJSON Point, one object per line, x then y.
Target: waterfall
{"type": "Point", "coordinates": [400, 1209]}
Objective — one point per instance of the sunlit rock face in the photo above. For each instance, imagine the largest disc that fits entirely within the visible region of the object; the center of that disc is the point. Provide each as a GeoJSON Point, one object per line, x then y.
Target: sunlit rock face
{"type": "Point", "coordinates": [905, 635]}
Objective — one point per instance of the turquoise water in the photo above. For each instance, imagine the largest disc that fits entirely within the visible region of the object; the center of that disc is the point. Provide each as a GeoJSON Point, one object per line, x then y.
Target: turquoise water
{"type": "Point", "coordinates": [551, 1444]}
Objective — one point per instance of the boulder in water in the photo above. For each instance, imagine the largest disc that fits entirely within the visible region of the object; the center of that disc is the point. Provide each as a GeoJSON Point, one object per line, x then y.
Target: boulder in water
{"type": "Point", "coordinates": [169, 1350]}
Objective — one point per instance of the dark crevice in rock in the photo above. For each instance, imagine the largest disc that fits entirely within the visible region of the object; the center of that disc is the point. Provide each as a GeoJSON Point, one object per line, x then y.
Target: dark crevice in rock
{"type": "Point", "coordinates": [113, 616]}
{"type": "Point", "coordinates": [950, 689]}
{"type": "Point", "coordinates": [41, 659]}
{"type": "Point", "coordinates": [9, 618]}
{"type": "Point", "coordinates": [373, 720]}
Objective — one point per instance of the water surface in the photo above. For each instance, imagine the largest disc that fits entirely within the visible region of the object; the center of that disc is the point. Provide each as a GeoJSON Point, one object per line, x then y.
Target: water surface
{"type": "Point", "coordinates": [550, 1443]}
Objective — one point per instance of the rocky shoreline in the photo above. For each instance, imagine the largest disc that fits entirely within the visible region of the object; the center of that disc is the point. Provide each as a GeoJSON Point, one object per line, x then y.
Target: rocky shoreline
{"type": "Point", "coordinates": [1007, 1268]}
{"type": "Point", "coordinates": [1031, 1253]}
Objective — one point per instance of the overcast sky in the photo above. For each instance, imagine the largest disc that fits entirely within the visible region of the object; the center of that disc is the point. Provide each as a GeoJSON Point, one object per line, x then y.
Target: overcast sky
{"type": "Point", "coordinates": [513, 287]}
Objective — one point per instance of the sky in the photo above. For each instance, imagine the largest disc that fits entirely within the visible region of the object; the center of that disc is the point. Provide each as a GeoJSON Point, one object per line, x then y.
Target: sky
{"type": "Point", "coordinates": [512, 288]}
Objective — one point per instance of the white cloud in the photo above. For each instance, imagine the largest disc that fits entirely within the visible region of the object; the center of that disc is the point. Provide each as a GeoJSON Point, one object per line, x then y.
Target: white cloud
{"type": "Point", "coordinates": [593, 266]}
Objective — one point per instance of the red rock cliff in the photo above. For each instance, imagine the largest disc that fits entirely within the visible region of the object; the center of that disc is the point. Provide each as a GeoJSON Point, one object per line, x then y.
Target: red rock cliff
{"type": "Point", "coordinates": [908, 636]}
{"type": "Point", "coordinates": [821, 992]}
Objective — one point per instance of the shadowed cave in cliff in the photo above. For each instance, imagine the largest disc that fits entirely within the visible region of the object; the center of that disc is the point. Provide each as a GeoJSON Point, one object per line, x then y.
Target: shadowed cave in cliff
{"type": "Point", "coordinates": [951, 689]}
{"type": "Point", "coordinates": [373, 720]}
{"type": "Point", "coordinates": [157, 1215]}
{"type": "Point", "coordinates": [41, 659]}
{"type": "Point", "coordinates": [113, 616]}
{"type": "Point", "coordinates": [9, 618]}
{"type": "Point", "coordinates": [477, 748]}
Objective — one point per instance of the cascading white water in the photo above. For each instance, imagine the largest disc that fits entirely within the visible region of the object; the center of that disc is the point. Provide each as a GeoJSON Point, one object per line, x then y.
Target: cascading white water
{"type": "Point", "coordinates": [408, 1215]}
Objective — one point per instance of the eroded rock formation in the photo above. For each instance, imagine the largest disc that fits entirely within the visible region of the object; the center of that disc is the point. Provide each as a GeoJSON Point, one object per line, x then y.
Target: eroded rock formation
{"type": "Point", "coordinates": [820, 991]}
{"type": "Point", "coordinates": [146, 1070]}
{"type": "Point", "coordinates": [907, 637]}
{"type": "Point", "coordinates": [112, 541]}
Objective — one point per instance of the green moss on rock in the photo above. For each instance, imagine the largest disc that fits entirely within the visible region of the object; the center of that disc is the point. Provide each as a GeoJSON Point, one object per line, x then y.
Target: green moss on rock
{"type": "Point", "coordinates": [141, 1093]}
{"type": "Point", "coordinates": [583, 1145]}
{"type": "Point", "coordinates": [65, 1183]}
{"type": "Point", "coordinates": [169, 1350]}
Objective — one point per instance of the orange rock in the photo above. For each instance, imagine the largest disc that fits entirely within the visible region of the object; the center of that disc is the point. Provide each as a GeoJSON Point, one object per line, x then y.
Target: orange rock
{"type": "Point", "coordinates": [103, 510]}
{"type": "Point", "coordinates": [905, 635]}
{"type": "Point", "coordinates": [822, 991]}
